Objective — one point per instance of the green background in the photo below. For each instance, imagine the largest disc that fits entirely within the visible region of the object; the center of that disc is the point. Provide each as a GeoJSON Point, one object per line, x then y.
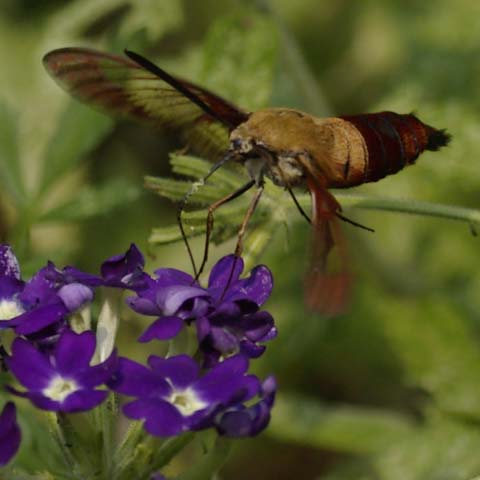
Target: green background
{"type": "Point", "coordinates": [389, 391]}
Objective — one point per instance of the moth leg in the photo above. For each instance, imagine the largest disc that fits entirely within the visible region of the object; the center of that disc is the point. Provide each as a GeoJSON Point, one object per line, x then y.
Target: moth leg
{"type": "Point", "coordinates": [299, 207]}
{"type": "Point", "coordinates": [243, 229]}
{"type": "Point", "coordinates": [246, 219]}
{"type": "Point", "coordinates": [210, 219]}
{"type": "Point", "coordinates": [183, 202]}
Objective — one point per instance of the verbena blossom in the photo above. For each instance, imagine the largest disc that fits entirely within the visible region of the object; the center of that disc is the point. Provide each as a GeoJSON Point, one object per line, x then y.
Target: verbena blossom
{"type": "Point", "coordinates": [174, 396]}
{"type": "Point", "coordinates": [10, 435]}
{"type": "Point", "coordinates": [64, 381]}
{"type": "Point", "coordinates": [59, 369]}
{"type": "Point", "coordinates": [227, 313]}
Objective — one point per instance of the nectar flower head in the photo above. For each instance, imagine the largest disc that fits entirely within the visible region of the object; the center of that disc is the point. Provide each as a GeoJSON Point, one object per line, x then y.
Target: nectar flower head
{"type": "Point", "coordinates": [173, 396]}
{"type": "Point", "coordinates": [64, 381]}
{"type": "Point", "coordinates": [226, 313]}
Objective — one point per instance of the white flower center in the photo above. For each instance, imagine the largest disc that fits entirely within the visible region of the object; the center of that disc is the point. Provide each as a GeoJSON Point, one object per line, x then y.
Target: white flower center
{"type": "Point", "coordinates": [60, 388]}
{"type": "Point", "coordinates": [186, 401]}
{"type": "Point", "coordinates": [10, 309]}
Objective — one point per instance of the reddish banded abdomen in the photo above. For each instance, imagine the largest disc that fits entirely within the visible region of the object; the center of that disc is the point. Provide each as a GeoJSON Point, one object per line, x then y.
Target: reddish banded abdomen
{"type": "Point", "coordinates": [394, 141]}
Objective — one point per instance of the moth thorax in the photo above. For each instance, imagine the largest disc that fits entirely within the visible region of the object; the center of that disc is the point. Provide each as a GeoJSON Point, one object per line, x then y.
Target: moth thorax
{"type": "Point", "coordinates": [285, 171]}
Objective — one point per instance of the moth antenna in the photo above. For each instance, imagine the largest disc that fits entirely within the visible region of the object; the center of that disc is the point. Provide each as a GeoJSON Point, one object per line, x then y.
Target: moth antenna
{"type": "Point", "coordinates": [352, 222]}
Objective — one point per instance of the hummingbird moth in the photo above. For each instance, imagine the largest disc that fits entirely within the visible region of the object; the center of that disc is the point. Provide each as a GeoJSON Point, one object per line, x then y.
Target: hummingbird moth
{"type": "Point", "coordinates": [291, 147]}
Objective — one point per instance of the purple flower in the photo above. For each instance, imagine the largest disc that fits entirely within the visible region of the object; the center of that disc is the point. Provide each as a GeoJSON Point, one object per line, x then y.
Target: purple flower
{"type": "Point", "coordinates": [173, 396]}
{"type": "Point", "coordinates": [10, 435]}
{"type": "Point", "coordinates": [125, 270]}
{"type": "Point", "coordinates": [248, 421]}
{"type": "Point", "coordinates": [27, 307]}
{"type": "Point", "coordinates": [226, 314]}
{"type": "Point", "coordinates": [63, 381]}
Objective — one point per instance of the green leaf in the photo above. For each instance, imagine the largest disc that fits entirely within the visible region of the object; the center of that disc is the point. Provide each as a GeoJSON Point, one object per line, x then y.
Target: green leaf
{"type": "Point", "coordinates": [240, 58]}
{"type": "Point", "coordinates": [10, 168]}
{"type": "Point", "coordinates": [80, 130]}
{"type": "Point", "coordinates": [153, 17]}
{"type": "Point", "coordinates": [441, 450]}
{"type": "Point", "coordinates": [211, 462]}
{"type": "Point", "coordinates": [302, 420]}
{"type": "Point", "coordinates": [91, 202]}
{"type": "Point", "coordinates": [439, 352]}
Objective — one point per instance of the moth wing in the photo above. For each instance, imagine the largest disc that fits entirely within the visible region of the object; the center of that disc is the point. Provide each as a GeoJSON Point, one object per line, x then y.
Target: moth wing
{"type": "Point", "coordinates": [122, 87]}
{"type": "Point", "coordinates": [327, 281]}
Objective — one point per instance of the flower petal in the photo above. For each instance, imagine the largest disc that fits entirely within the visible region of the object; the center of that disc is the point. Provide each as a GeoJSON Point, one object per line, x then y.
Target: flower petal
{"type": "Point", "coordinates": [143, 305]}
{"type": "Point", "coordinates": [163, 328]}
{"type": "Point", "coordinates": [170, 276]}
{"type": "Point", "coordinates": [257, 286]}
{"type": "Point", "coordinates": [161, 418]}
{"type": "Point", "coordinates": [98, 374]}
{"type": "Point", "coordinates": [10, 435]}
{"type": "Point", "coordinates": [35, 320]}
{"type": "Point", "coordinates": [180, 370]}
{"type": "Point", "coordinates": [83, 400]}
{"type": "Point", "coordinates": [224, 381]}
{"type": "Point", "coordinates": [8, 262]}
{"type": "Point", "coordinates": [75, 295]}
{"type": "Point", "coordinates": [222, 272]}
{"type": "Point", "coordinates": [29, 366]}
{"type": "Point", "coordinates": [74, 351]}
{"type": "Point", "coordinates": [135, 379]}
{"type": "Point", "coordinates": [170, 299]}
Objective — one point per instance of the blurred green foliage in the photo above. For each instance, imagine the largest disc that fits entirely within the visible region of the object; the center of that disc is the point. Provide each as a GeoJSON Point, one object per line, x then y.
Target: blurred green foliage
{"type": "Point", "coordinates": [392, 389]}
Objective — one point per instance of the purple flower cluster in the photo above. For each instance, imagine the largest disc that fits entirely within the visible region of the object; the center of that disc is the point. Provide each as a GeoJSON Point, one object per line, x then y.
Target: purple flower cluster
{"type": "Point", "coordinates": [60, 370]}
{"type": "Point", "coordinates": [226, 315]}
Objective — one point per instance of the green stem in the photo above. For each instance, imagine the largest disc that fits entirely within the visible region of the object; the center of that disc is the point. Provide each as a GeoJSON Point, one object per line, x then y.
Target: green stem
{"type": "Point", "coordinates": [169, 449]}
{"type": "Point", "coordinates": [125, 453]}
{"type": "Point", "coordinates": [413, 207]}
{"type": "Point", "coordinates": [56, 426]}
{"type": "Point", "coordinates": [210, 464]}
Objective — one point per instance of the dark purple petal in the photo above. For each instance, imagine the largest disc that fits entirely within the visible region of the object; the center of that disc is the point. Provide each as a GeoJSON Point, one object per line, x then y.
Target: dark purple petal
{"type": "Point", "coordinates": [31, 368]}
{"type": "Point", "coordinates": [125, 270]}
{"type": "Point", "coordinates": [223, 381]}
{"type": "Point", "coordinates": [132, 378]}
{"type": "Point", "coordinates": [98, 374]}
{"type": "Point", "coordinates": [203, 328]}
{"type": "Point", "coordinates": [39, 291]}
{"type": "Point", "coordinates": [143, 305]}
{"type": "Point", "coordinates": [161, 418]}
{"type": "Point", "coordinates": [180, 370]}
{"type": "Point", "coordinates": [35, 320]}
{"type": "Point", "coordinates": [42, 402]}
{"type": "Point", "coordinates": [252, 350]}
{"type": "Point", "coordinates": [74, 351]}
{"type": "Point", "coordinates": [75, 295]}
{"type": "Point", "coordinates": [158, 476]}
{"type": "Point", "coordinates": [70, 275]}
{"type": "Point", "coordinates": [167, 277]}
{"type": "Point", "coordinates": [9, 286]}
{"type": "Point", "coordinates": [73, 275]}
{"type": "Point", "coordinates": [244, 421]}
{"type": "Point", "coordinates": [9, 266]}
{"type": "Point", "coordinates": [10, 435]}
{"type": "Point", "coordinates": [227, 268]}
{"type": "Point", "coordinates": [164, 328]}
{"type": "Point", "coordinates": [257, 286]}
{"type": "Point", "coordinates": [257, 326]}
{"type": "Point", "coordinates": [273, 333]}
{"type": "Point", "coordinates": [83, 400]}
{"type": "Point", "coordinates": [223, 340]}
{"type": "Point", "coordinates": [170, 299]}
